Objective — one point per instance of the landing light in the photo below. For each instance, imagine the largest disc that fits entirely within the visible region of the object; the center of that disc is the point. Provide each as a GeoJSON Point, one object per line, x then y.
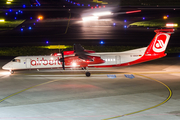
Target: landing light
{"type": "Point", "coordinates": [74, 64]}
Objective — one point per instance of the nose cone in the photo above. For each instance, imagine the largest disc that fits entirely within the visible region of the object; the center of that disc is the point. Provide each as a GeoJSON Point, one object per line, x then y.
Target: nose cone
{"type": "Point", "coordinates": [6, 67]}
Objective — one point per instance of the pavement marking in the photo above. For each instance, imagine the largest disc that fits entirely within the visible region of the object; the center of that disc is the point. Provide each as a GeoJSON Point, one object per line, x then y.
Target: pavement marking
{"type": "Point", "coordinates": [1, 100]}
{"type": "Point", "coordinates": [168, 98]}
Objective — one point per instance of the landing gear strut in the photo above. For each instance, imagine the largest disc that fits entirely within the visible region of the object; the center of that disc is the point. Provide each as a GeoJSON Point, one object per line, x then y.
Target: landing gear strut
{"type": "Point", "coordinates": [11, 71]}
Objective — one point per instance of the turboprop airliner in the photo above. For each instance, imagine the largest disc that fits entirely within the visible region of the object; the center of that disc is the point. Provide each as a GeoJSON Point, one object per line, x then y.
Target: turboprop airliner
{"type": "Point", "coordinates": [81, 58]}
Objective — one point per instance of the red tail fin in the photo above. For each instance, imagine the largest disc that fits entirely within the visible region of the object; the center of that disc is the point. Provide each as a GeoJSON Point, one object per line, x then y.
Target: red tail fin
{"type": "Point", "coordinates": [159, 43]}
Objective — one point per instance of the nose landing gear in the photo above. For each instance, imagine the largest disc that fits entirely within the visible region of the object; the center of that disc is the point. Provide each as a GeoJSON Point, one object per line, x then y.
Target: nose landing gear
{"type": "Point", "coordinates": [11, 71]}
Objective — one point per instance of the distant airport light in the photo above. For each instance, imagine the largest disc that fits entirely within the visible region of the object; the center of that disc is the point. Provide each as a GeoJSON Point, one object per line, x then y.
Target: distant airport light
{"type": "Point", "coordinates": [114, 24]}
{"type": "Point", "coordinates": [30, 28]}
{"type": "Point", "coordinates": [16, 13]}
{"type": "Point", "coordinates": [40, 17]}
{"type": "Point", "coordinates": [6, 13]}
{"type": "Point", "coordinates": [95, 7]}
{"type": "Point", "coordinates": [99, 6]}
{"type": "Point", "coordinates": [104, 6]}
{"type": "Point", "coordinates": [31, 18]}
{"type": "Point", "coordinates": [22, 29]}
{"type": "Point", "coordinates": [8, 2]}
{"type": "Point", "coordinates": [101, 42]}
{"type": "Point", "coordinates": [125, 20]}
{"type": "Point", "coordinates": [82, 4]}
{"type": "Point", "coordinates": [143, 18]}
{"type": "Point", "coordinates": [34, 23]}
{"type": "Point", "coordinates": [19, 10]}
{"type": "Point", "coordinates": [171, 25]}
{"type": "Point", "coordinates": [102, 13]}
{"type": "Point", "coordinates": [71, 1]}
{"type": "Point", "coordinates": [36, 5]}
{"type": "Point", "coordinates": [74, 3]}
{"type": "Point", "coordinates": [10, 10]}
{"type": "Point", "coordinates": [89, 5]}
{"type": "Point", "coordinates": [15, 18]}
{"type": "Point", "coordinates": [90, 18]}
{"type": "Point", "coordinates": [24, 6]}
{"type": "Point", "coordinates": [2, 20]}
{"type": "Point", "coordinates": [165, 17]}
{"type": "Point", "coordinates": [135, 11]}
{"type": "Point", "coordinates": [125, 26]}
{"type": "Point", "coordinates": [47, 42]}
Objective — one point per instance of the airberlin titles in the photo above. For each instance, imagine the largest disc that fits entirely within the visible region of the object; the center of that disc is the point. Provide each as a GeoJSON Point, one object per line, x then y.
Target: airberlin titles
{"type": "Point", "coordinates": [43, 61]}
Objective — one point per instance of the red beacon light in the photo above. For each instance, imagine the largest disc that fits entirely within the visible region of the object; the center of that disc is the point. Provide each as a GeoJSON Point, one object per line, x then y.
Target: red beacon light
{"type": "Point", "coordinates": [91, 7]}
{"type": "Point", "coordinates": [99, 6]}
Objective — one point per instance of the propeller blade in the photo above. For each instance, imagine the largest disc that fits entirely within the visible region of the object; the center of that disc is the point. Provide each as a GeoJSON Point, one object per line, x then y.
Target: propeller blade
{"type": "Point", "coordinates": [62, 60]}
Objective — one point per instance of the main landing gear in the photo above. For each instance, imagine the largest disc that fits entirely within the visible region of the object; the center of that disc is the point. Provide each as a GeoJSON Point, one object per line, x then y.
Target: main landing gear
{"type": "Point", "coordinates": [88, 74]}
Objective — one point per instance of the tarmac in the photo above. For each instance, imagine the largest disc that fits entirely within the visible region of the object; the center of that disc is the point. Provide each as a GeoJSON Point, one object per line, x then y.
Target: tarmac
{"type": "Point", "coordinates": [144, 91]}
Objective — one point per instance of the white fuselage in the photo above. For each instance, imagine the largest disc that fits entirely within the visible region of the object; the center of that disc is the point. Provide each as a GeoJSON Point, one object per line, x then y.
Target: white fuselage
{"type": "Point", "coordinates": [44, 62]}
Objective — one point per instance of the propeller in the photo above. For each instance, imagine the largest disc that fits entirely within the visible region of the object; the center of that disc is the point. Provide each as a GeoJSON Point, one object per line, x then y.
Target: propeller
{"type": "Point", "coordinates": [62, 60]}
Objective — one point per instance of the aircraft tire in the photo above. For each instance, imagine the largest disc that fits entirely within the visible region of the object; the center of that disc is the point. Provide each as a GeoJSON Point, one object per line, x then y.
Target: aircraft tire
{"type": "Point", "coordinates": [12, 72]}
{"type": "Point", "coordinates": [88, 74]}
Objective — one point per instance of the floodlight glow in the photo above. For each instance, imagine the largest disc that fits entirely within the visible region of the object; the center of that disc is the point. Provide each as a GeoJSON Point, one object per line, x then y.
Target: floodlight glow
{"type": "Point", "coordinates": [102, 13]}
{"type": "Point", "coordinates": [40, 17]}
{"type": "Point", "coordinates": [171, 25]}
{"type": "Point", "coordinates": [2, 20]}
{"type": "Point", "coordinates": [8, 2]}
{"type": "Point", "coordinates": [165, 17]}
{"type": "Point", "coordinates": [90, 18]}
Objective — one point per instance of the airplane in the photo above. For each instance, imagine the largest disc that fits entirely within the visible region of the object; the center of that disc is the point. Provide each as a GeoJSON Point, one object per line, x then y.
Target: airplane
{"type": "Point", "coordinates": [81, 58]}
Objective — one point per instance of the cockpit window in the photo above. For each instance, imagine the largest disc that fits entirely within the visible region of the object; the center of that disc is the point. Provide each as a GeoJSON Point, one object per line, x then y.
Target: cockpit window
{"type": "Point", "coordinates": [16, 60]}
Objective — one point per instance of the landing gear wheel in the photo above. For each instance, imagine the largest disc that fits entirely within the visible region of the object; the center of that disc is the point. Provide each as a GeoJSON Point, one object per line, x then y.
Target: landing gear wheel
{"type": "Point", "coordinates": [11, 71]}
{"type": "Point", "coordinates": [88, 74]}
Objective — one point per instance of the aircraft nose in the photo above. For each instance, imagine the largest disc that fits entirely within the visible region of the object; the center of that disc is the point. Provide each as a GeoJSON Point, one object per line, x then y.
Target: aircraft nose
{"type": "Point", "coordinates": [5, 67]}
